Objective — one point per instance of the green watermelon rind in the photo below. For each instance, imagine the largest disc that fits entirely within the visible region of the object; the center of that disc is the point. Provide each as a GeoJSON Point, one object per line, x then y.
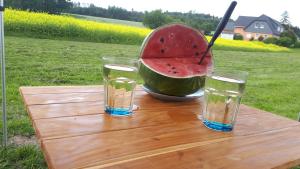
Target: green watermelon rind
{"type": "Point", "coordinates": [171, 86]}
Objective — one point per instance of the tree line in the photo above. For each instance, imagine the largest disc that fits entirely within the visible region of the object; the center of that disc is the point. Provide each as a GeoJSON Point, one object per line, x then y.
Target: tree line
{"type": "Point", "coordinates": [49, 6]}
{"type": "Point", "coordinates": [152, 19]}
{"type": "Point", "coordinates": [111, 12]}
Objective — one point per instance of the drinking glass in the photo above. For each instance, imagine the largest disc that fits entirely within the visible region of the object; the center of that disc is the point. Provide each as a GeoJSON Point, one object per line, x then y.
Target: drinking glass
{"type": "Point", "coordinates": [222, 96]}
{"type": "Point", "coordinates": [119, 76]}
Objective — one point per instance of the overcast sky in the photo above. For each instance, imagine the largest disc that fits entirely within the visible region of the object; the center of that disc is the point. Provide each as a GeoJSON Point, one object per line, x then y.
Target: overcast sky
{"type": "Point", "coordinates": [272, 8]}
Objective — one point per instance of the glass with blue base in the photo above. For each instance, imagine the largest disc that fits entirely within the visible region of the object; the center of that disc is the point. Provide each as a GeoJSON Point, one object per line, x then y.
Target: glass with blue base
{"type": "Point", "coordinates": [222, 96]}
{"type": "Point", "coordinates": [119, 76]}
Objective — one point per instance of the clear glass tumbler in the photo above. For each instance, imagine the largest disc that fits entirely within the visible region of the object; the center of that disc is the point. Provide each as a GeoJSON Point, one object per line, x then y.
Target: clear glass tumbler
{"type": "Point", "coordinates": [222, 96]}
{"type": "Point", "coordinates": [119, 76]}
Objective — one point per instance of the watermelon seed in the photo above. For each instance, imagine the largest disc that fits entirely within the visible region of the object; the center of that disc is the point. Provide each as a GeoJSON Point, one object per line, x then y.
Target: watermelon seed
{"type": "Point", "coordinates": [168, 64]}
{"type": "Point", "coordinates": [162, 40]}
{"type": "Point", "coordinates": [162, 51]}
{"type": "Point", "coordinates": [172, 35]}
{"type": "Point", "coordinates": [197, 53]}
{"type": "Point", "coordinates": [195, 46]}
{"type": "Point", "coordinates": [173, 67]}
{"type": "Point", "coordinates": [174, 72]}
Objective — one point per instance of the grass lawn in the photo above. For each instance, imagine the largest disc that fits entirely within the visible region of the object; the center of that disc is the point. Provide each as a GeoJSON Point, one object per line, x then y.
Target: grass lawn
{"type": "Point", "coordinates": [273, 83]}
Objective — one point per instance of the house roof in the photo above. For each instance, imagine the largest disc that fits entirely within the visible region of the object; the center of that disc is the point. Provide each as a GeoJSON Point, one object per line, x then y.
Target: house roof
{"type": "Point", "coordinates": [229, 26]}
{"type": "Point", "coordinates": [246, 21]}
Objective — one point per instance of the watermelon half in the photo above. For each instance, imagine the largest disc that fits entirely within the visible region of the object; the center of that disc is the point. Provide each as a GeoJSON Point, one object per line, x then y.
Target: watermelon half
{"type": "Point", "coordinates": [169, 60]}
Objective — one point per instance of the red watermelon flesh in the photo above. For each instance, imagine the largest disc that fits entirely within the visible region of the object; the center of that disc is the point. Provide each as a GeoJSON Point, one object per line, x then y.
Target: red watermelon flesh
{"type": "Point", "coordinates": [175, 51]}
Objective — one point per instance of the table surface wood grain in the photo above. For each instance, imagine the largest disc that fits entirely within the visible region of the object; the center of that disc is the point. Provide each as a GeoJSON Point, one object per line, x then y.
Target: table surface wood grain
{"type": "Point", "coordinates": [74, 132]}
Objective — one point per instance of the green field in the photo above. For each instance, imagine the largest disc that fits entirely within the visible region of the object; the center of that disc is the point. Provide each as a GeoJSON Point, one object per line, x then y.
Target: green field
{"type": "Point", "coordinates": [273, 83]}
{"type": "Point", "coordinates": [108, 20]}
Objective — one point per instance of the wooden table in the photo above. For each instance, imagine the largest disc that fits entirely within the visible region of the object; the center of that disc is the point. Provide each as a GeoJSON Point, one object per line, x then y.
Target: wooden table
{"type": "Point", "coordinates": [74, 132]}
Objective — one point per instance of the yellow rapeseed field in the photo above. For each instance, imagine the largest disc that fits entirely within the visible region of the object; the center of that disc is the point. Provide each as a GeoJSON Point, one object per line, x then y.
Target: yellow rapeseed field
{"type": "Point", "coordinates": [43, 25]}
{"type": "Point", "coordinates": [54, 26]}
{"type": "Point", "coordinates": [247, 45]}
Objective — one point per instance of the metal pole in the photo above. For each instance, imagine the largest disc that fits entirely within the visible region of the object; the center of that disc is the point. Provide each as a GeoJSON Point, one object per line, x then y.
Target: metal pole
{"type": "Point", "coordinates": [2, 53]}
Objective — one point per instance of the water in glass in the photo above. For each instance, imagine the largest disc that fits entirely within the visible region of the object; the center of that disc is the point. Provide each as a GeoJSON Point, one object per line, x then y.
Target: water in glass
{"type": "Point", "coordinates": [222, 99]}
{"type": "Point", "coordinates": [120, 81]}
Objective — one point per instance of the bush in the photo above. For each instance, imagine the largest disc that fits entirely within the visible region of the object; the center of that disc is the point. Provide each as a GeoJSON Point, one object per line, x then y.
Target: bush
{"type": "Point", "coordinates": [260, 38]}
{"type": "Point", "coordinates": [271, 40]}
{"type": "Point", "coordinates": [289, 34]}
{"type": "Point", "coordinates": [297, 44]}
{"type": "Point", "coordinates": [251, 39]}
{"type": "Point", "coordinates": [238, 37]}
{"type": "Point", "coordinates": [285, 41]}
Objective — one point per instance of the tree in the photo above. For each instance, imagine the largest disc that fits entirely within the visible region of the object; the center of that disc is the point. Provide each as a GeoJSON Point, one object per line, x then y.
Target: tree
{"type": "Point", "coordinates": [156, 19]}
{"type": "Point", "coordinates": [111, 12]}
{"type": "Point", "coordinates": [285, 20]}
{"type": "Point", "coordinates": [203, 22]}
{"type": "Point", "coordinates": [297, 31]}
{"type": "Point", "coordinates": [117, 12]}
{"type": "Point", "coordinates": [63, 5]}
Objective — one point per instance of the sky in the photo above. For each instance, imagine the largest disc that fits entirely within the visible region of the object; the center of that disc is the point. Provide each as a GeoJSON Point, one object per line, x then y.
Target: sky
{"type": "Point", "coordinates": [272, 8]}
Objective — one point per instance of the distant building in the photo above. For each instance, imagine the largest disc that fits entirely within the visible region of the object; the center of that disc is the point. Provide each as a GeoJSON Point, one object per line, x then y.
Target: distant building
{"type": "Point", "coordinates": [253, 27]}
{"type": "Point", "coordinates": [228, 31]}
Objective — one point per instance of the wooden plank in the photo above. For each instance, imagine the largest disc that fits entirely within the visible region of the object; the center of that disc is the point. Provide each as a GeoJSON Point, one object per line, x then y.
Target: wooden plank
{"type": "Point", "coordinates": [33, 90]}
{"type": "Point", "coordinates": [274, 149]}
{"type": "Point", "coordinates": [89, 124]}
{"type": "Point", "coordinates": [65, 110]}
{"type": "Point", "coordinates": [143, 102]}
{"type": "Point", "coordinates": [43, 99]}
{"type": "Point", "coordinates": [255, 121]}
{"type": "Point", "coordinates": [62, 98]}
{"type": "Point", "coordinates": [116, 144]}
{"type": "Point", "coordinates": [247, 121]}
{"type": "Point", "coordinates": [71, 96]}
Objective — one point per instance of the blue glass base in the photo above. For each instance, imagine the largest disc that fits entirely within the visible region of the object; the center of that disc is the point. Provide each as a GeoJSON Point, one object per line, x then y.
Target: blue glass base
{"type": "Point", "coordinates": [118, 111]}
{"type": "Point", "coordinates": [217, 125]}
